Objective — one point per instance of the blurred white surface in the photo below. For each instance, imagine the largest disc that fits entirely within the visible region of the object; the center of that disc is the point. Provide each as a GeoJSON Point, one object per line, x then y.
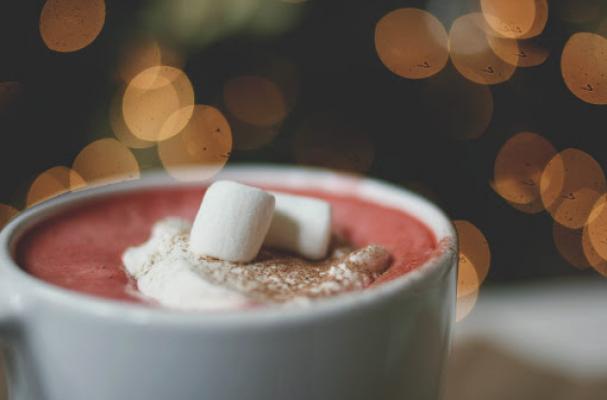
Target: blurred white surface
{"type": "Point", "coordinates": [560, 325]}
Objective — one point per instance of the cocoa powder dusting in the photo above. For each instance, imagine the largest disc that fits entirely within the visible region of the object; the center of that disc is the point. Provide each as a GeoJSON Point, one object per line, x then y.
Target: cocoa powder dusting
{"type": "Point", "coordinates": [276, 276]}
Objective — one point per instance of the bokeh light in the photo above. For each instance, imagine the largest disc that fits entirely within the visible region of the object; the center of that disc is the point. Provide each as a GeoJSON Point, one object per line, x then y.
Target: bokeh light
{"type": "Point", "coordinates": [598, 263]}
{"type": "Point", "coordinates": [583, 65]}
{"type": "Point", "coordinates": [568, 243]}
{"type": "Point", "coordinates": [465, 305]}
{"type": "Point", "coordinates": [516, 18]}
{"type": "Point", "coordinates": [506, 49]}
{"type": "Point", "coordinates": [596, 227]}
{"type": "Point", "coordinates": [70, 25]}
{"type": "Point", "coordinates": [158, 103]}
{"type": "Point", "coordinates": [520, 53]}
{"type": "Point", "coordinates": [473, 266]}
{"type": "Point", "coordinates": [53, 182]}
{"type": "Point", "coordinates": [201, 149]}
{"type": "Point", "coordinates": [472, 55]}
{"type": "Point", "coordinates": [6, 214]}
{"type": "Point", "coordinates": [467, 277]}
{"type": "Point", "coordinates": [570, 185]}
{"type": "Point", "coordinates": [105, 161]}
{"type": "Point", "coordinates": [119, 128]}
{"type": "Point", "coordinates": [465, 108]}
{"type": "Point", "coordinates": [325, 142]}
{"type": "Point", "coordinates": [411, 43]}
{"type": "Point", "coordinates": [474, 258]}
{"type": "Point", "coordinates": [255, 100]}
{"type": "Point", "coordinates": [531, 54]}
{"type": "Point", "coordinates": [518, 169]}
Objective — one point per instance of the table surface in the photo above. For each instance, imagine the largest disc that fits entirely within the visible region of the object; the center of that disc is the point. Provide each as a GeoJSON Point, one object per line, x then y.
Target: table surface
{"type": "Point", "coordinates": [534, 341]}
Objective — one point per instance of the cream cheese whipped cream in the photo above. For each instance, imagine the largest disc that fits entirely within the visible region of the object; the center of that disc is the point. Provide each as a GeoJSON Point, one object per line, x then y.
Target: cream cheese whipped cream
{"type": "Point", "coordinates": [168, 272]}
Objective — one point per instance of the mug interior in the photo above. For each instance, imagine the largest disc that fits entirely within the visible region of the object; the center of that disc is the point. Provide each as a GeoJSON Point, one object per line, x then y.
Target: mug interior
{"type": "Point", "coordinates": [288, 178]}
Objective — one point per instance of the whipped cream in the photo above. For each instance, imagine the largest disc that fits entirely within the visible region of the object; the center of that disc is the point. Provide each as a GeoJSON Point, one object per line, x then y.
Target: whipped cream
{"type": "Point", "coordinates": [167, 272]}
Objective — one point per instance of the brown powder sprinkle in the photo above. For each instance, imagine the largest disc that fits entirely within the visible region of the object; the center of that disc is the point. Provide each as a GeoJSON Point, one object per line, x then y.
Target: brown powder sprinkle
{"type": "Point", "coordinates": [274, 276]}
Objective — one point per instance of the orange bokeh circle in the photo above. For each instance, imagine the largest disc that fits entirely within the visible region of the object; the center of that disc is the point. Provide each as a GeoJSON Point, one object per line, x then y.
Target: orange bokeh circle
{"type": "Point", "coordinates": [472, 55]}
{"type": "Point", "coordinates": [70, 25]}
{"type": "Point", "coordinates": [154, 102]}
{"type": "Point", "coordinates": [518, 169]}
{"type": "Point", "coordinates": [105, 161]}
{"type": "Point", "coordinates": [53, 182]}
{"type": "Point", "coordinates": [202, 149]}
{"type": "Point", "coordinates": [411, 43]}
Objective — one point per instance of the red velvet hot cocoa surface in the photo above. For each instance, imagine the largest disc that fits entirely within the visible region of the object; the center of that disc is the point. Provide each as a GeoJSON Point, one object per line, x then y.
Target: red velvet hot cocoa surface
{"type": "Point", "coordinates": [80, 249]}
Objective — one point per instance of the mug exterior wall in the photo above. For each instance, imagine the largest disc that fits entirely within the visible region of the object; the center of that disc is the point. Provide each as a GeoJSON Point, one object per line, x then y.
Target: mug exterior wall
{"type": "Point", "coordinates": [386, 343]}
{"type": "Point", "coordinates": [386, 351]}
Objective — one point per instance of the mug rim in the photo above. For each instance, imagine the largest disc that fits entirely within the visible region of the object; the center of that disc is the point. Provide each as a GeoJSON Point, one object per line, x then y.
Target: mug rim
{"type": "Point", "coordinates": [25, 287]}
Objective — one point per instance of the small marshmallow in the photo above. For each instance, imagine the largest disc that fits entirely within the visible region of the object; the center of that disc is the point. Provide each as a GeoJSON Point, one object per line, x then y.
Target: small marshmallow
{"type": "Point", "coordinates": [232, 222]}
{"type": "Point", "coordinates": [301, 225]}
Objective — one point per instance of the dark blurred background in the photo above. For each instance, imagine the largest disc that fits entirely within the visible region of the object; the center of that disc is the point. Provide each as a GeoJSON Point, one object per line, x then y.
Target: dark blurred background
{"type": "Point", "coordinates": [344, 108]}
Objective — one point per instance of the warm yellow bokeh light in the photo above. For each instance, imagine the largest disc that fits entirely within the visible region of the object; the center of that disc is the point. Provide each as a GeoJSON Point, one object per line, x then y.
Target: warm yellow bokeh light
{"type": "Point", "coordinates": [324, 142]}
{"type": "Point", "coordinates": [105, 161]}
{"type": "Point", "coordinates": [121, 131]}
{"type": "Point", "coordinates": [575, 207]}
{"type": "Point", "coordinates": [70, 25]}
{"type": "Point", "coordinates": [6, 214]}
{"type": "Point", "coordinates": [520, 53]}
{"type": "Point", "coordinates": [411, 43]}
{"type": "Point", "coordinates": [201, 149]}
{"type": "Point", "coordinates": [472, 55]}
{"type": "Point", "coordinates": [516, 19]}
{"type": "Point", "coordinates": [531, 54]}
{"type": "Point", "coordinates": [474, 258]}
{"type": "Point", "coordinates": [154, 102]}
{"type": "Point", "coordinates": [596, 227]}
{"type": "Point", "coordinates": [465, 305]}
{"type": "Point", "coordinates": [465, 108]}
{"type": "Point", "coordinates": [506, 49]}
{"type": "Point", "coordinates": [570, 185]}
{"type": "Point", "coordinates": [255, 100]}
{"type": "Point", "coordinates": [568, 243]}
{"type": "Point", "coordinates": [598, 263]}
{"type": "Point", "coordinates": [467, 276]}
{"type": "Point", "coordinates": [518, 169]}
{"type": "Point", "coordinates": [53, 182]}
{"type": "Point", "coordinates": [583, 65]}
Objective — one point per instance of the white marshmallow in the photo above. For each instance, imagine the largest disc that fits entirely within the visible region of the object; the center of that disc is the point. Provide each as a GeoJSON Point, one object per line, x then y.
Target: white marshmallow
{"type": "Point", "coordinates": [301, 225]}
{"type": "Point", "coordinates": [232, 222]}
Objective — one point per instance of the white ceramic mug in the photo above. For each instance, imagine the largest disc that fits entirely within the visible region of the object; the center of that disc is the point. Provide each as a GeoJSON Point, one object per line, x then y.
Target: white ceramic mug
{"type": "Point", "coordinates": [387, 342]}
